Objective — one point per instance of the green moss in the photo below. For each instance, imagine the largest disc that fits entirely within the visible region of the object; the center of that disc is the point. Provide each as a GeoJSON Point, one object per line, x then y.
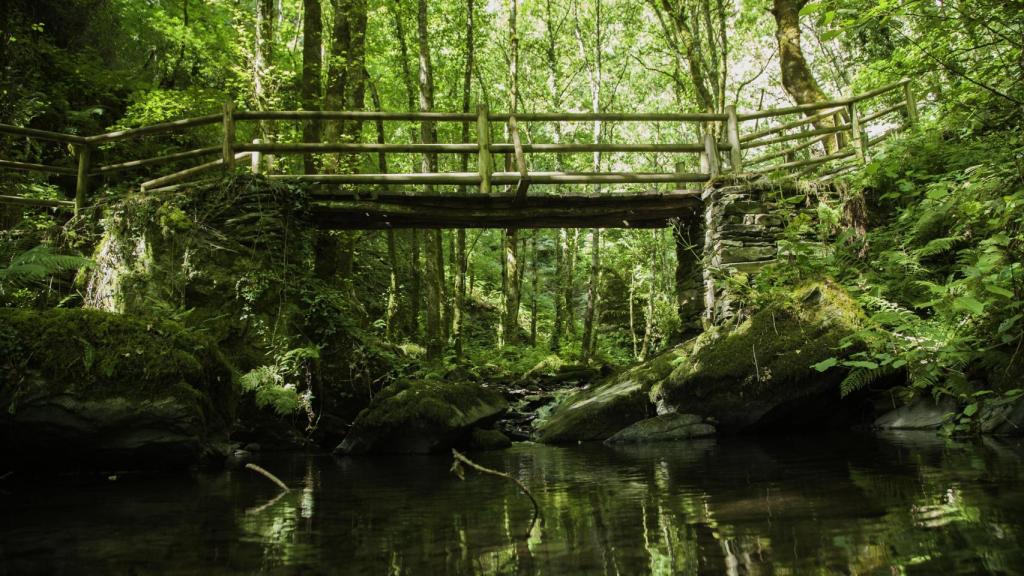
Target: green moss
{"type": "Point", "coordinates": [770, 351]}
{"type": "Point", "coordinates": [426, 403]}
{"type": "Point", "coordinates": [100, 355]}
{"type": "Point", "coordinates": [481, 439]}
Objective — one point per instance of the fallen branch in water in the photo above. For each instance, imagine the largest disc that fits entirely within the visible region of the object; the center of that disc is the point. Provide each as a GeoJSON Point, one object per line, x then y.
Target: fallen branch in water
{"type": "Point", "coordinates": [457, 470]}
{"type": "Point", "coordinates": [268, 476]}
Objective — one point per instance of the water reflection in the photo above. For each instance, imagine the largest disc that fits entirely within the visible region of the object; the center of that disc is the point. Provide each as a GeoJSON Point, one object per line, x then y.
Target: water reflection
{"type": "Point", "coordinates": [857, 505]}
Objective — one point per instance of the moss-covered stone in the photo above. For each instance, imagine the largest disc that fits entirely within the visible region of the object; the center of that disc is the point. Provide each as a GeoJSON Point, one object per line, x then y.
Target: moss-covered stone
{"type": "Point", "coordinates": [761, 373]}
{"type": "Point", "coordinates": [664, 428]}
{"type": "Point", "coordinates": [90, 380]}
{"type": "Point", "coordinates": [598, 412]}
{"type": "Point", "coordinates": [487, 439]}
{"type": "Point", "coordinates": [421, 417]}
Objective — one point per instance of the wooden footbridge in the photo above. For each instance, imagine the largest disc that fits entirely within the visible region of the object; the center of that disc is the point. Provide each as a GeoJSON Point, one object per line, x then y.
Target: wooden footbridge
{"type": "Point", "coordinates": [814, 141]}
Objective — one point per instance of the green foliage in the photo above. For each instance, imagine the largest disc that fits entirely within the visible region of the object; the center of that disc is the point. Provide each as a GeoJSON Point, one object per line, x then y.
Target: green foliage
{"type": "Point", "coordinates": [102, 355]}
{"type": "Point", "coordinates": [285, 385]}
{"type": "Point", "coordinates": [36, 266]}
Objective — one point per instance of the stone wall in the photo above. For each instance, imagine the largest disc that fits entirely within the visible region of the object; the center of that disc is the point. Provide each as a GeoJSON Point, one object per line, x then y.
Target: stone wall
{"type": "Point", "coordinates": [742, 225]}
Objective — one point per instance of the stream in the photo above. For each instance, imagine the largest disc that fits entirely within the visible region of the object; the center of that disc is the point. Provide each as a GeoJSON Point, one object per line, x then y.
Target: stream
{"type": "Point", "coordinates": [853, 504]}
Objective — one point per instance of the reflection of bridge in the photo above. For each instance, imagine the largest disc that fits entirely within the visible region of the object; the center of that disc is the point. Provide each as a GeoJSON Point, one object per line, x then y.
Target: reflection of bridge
{"type": "Point", "coordinates": [813, 141]}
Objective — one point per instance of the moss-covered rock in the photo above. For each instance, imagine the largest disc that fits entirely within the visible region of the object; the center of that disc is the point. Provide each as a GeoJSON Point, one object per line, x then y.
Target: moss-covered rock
{"type": "Point", "coordinates": [91, 387]}
{"type": "Point", "coordinates": [761, 374]}
{"type": "Point", "coordinates": [487, 439]}
{"type": "Point", "coordinates": [421, 417]}
{"type": "Point", "coordinates": [598, 412]}
{"type": "Point", "coordinates": [664, 428]}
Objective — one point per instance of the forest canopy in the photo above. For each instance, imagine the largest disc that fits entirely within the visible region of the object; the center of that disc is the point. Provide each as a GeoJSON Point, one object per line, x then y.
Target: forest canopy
{"type": "Point", "coordinates": [936, 212]}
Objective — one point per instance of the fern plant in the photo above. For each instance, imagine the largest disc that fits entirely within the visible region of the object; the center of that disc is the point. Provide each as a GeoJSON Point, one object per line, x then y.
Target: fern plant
{"type": "Point", "coordinates": [36, 266]}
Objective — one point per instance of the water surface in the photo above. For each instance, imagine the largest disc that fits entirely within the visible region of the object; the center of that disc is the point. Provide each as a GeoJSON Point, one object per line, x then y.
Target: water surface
{"type": "Point", "coordinates": [853, 505]}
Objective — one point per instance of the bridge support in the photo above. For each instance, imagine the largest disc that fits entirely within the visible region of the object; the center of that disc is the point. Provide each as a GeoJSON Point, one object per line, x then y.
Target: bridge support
{"type": "Point", "coordinates": [743, 224]}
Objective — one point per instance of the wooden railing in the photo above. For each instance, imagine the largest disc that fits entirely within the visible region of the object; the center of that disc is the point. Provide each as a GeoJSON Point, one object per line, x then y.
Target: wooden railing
{"type": "Point", "coordinates": [783, 141]}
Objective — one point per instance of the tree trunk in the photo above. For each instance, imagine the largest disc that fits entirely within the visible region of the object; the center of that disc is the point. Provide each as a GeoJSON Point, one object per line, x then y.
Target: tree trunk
{"type": "Point", "coordinates": [391, 309]}
{"type": "Point", "coordinates": [415, 286]}
{"type": "Point", "coordinates": [648, 342]}
{"type": "Point", "coordinates": [589, 333]}
{"type": "Point", "coordinates": [561, 236]}
{"type": "Point", "coordinates": [510, 281]}
{"type": "Point", "coordinates": [589, 343]}
{"type": "Point", "coordinates": [435, 254]}
{"type": "Point", "coordinates": [797, 78]}
{"type": "Point", "coordinates": [312, 46]}
{"type": "Point", "coordinates": [346, 85]}
{"type": "Point", "coordinates": [533, 288]}
{"type": "Point", "coordinates": [460, 238]}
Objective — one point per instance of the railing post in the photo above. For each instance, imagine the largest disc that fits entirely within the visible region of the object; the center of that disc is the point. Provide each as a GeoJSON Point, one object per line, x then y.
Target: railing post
{"type": "Point", "coordinates": [229, 136]}
{"type": "Point", "coordinates": [709, 160]}
{"type": "Point", "coordinates": [856, 135]}
{"type": "Point", "coordinates": [483, 138]}
{"type": "Point", "coordinates": [84, 152]}
{"type": "Point", "coordinates": [733, 134]}
{"type": "Point", "coordinates": [908, 95]}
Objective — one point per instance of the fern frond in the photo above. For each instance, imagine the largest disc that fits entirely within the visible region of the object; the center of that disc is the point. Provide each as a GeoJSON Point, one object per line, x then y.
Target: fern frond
{"type": "Point", "coordinates": [36, 265]}
{"type": "Point", "coordinates": [936, 246]}
{"type": "Point", "coordinates": [859, 378]}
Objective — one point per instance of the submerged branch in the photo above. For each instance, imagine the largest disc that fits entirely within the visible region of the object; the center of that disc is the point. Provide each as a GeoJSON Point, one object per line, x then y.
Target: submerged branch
{"type": "Point", "coordinates": [457, 470]}
{"type": "Point", "coordinates": [268, 476]}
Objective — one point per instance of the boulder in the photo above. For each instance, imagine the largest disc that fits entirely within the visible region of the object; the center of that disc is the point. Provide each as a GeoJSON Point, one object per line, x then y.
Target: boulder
{"type": "Point", "coordinates": [664, 428]}
{"type": "Point", "coordinates": [760, 374]}
{"type": "Point", "coordinates": [597, 412]}
{"type": "Point", "coordinates": [421, 417]}
{"type": "Point", "coordinates": [91, 389]}
{"type": "Point", "coordinates": [1002, 417]}
{"type": "Point", "coordinates": [488, 439]}
{"type": "Point", "coordinates": [921, 414]}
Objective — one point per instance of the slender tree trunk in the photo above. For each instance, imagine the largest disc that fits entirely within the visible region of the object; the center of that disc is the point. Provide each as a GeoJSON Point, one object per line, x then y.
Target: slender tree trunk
{"type": "Point", "coordinates": [312, 47]}
{"type": "Point", "coordinates": [589, 329]}
{"type": "Point", "coordinates": [632, 313]}
{"type": "Point", "coordinates": [648, 341]}
{"type": "Point", "coordinates": [589, 332]}
{"type": "Point", "coordinates": [346, 84]}
{"type": "Point", "coordinates": [558, 320]}
{"type": "Point", "coordinates": [571, 249]}
{"type": "Point", "coordinates": [409, 81]}
{"type": "Point", "coordinates": [461, 258]}
{"type": "Point", "coordinates": [554, 82]}
{"type": "Point", "coordinates": [435, 255]}
{"type": "Point", "coordinates": [415, 286]}
{"type": "Point", "coordinates": [533, 288]}
{"type": "Point", "coordinates": [510, 281]}
{"type": "Point", "coordinates": [391, 309]}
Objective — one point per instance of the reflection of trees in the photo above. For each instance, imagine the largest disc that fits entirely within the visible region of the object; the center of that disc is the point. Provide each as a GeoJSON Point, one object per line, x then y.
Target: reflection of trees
{"type": "Point", "coordinates": [685, 508]}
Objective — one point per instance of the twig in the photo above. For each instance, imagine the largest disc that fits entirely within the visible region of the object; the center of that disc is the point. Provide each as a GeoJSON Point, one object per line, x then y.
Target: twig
{"type": "Point", "coordinates": [457, 470]}
{"type": "Point", "coordinates": [267, 504]}
{"type": "Point", "coordinates": [6, 476]}
{"type": "Point", "coordinates": [268, 476]}
{"type": "Point", "coordinates": [757, 370]}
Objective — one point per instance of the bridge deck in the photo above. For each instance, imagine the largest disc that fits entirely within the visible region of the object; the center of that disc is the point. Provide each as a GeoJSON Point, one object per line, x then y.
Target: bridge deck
{"type": "Point", "coordinates": [406, 210]}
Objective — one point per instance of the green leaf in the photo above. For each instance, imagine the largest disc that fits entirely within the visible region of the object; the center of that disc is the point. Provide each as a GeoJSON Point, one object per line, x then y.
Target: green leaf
{"type": "Point", "coordinates": [971, 409]}
{"type": "Point", "coordinates": [811, 8]}
{"type": "Point", "coordinates": [999, 290]}
{"type": "Point", "coordinates": [866, 364]}
{"type": "Point", "coordinates": [969, 304]}
{"type": "Point", "coordinates": [825, 364]}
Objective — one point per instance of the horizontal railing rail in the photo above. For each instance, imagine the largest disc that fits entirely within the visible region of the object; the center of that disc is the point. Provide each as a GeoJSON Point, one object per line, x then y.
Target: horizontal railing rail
{"type": "Point", "coordinates": [798, 141]}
